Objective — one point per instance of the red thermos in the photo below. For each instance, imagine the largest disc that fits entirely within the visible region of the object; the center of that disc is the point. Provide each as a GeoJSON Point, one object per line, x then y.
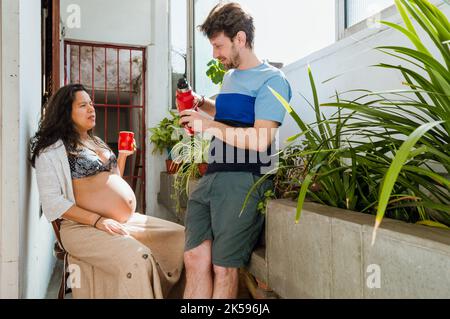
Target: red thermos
{"type": "Point", "coordinates": [185, 100]}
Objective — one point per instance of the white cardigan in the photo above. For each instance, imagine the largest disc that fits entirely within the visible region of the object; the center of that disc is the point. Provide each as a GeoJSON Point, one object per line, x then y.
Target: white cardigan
{"type": "Point", "coordinates": [54, 181]}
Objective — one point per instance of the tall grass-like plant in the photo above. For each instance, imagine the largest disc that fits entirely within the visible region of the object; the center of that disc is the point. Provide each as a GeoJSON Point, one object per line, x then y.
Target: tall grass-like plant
{"type": "Point", "coordinates": [415, 122]}
{"type": "Point", "coordinates": [337, 170]}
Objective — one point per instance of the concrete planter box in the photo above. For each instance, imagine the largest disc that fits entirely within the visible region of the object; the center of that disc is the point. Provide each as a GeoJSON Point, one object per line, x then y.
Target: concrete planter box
{"type": "Point", "coordinates": [166, 196]}
{"type": "Point", "coordinates": [329, 255]}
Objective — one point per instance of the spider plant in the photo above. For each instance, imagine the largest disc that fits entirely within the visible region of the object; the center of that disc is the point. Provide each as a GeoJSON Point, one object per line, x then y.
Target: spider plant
{"type": "Point", "coordinates": [189, 152]}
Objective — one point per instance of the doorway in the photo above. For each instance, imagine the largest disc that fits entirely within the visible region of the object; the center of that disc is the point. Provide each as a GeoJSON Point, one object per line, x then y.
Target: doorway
{"type": "Point", "coordinates": [115, 77]}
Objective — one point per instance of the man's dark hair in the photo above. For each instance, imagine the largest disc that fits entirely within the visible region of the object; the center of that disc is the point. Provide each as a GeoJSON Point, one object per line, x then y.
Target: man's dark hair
{"type": "Point", "coordinates": [229, 18]}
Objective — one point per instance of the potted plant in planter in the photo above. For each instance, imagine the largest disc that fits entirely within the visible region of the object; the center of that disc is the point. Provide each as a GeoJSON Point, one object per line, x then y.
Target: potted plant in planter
{"type": "Point", "coordinates": [190, 154]}
{"type": "Point", "coordinates": [380, 153]}
{"type": "Point", "coordinates": [215, 71]}
{"type": "Point", "coordinates": [373, 160]}
{"type": "Point", "coordinates": [185, 156]}
{"type": "Point", "coordinates": [164, 137]}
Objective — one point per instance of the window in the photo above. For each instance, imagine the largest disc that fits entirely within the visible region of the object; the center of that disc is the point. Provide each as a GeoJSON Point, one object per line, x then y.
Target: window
{"type": "Point", "coordinates": [359, 10]}
{"type": "Point", "coordinates": [178, 46]}
{"type": "Point", "coordinates": [283, 32]}
{"type": "Point", "coordinates": [202, 50]}
{"type": "Point", "coordinates": [50, 48]}
{"type": "Point", "coordinates": [357, 15]}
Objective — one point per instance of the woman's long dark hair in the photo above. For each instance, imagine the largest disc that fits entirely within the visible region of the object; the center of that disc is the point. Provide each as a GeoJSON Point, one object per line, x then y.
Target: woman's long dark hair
{"type": "Point", "coordinates": [56, 123]}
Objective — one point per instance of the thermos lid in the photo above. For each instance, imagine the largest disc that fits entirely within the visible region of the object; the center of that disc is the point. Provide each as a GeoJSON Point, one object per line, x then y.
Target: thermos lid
{"type": "Point", "coordinates": [183, 84]}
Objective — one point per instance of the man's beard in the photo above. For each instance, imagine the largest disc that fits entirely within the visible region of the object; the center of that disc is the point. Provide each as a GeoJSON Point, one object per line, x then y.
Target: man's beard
{"type": "Point", "coordinates": [234, 60]}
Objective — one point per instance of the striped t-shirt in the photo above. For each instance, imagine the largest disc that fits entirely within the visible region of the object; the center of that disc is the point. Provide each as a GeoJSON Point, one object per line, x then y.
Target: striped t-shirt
{"type": "Point", "coordinates": [244, 98]}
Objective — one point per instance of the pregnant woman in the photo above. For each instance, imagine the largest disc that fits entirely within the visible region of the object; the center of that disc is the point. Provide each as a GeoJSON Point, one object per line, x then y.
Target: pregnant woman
{"type": "Point", "coordinates": [115, 252]}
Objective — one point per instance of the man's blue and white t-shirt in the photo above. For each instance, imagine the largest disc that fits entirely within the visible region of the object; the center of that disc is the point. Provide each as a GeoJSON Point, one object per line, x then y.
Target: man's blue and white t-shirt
{"type": "Point", "coordinates": [244, 98]}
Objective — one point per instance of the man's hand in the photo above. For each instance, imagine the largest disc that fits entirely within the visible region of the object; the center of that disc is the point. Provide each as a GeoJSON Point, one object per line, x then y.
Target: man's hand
{"type": "Point", "coordinates": [111, 226]}
{"type": "Point", "coordinates": [196, 121]}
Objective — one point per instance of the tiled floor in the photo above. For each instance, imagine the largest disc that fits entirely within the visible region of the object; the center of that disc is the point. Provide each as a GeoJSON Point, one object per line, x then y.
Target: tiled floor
{"type": "Point", "coordinates": [55, 281]}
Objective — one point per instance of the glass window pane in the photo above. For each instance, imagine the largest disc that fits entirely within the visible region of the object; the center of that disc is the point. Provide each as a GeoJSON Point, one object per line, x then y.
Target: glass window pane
{"type": "Point", "coordinates": [286, 31]}
{"type": "Point", "coordinates": [178, 34]}
{"type": "Point", "coordinates": [359, 10]}
{"type": "Point", "coordinates": [202, 49]}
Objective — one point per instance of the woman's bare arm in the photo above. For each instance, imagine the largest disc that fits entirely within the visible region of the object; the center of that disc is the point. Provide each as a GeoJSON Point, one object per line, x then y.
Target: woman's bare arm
{"type": "Point", "coordinates": [121, 162]}
{"type": "Point", "coordinates": [85, 217]}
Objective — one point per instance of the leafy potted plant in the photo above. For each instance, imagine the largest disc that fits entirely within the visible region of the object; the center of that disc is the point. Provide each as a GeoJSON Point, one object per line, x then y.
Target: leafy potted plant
{"type": "Point", "coordinates": [380, 153]}
{"type": "Point", "coordinates": [191, 155]}
{"type": "Point", "coordinates": [164, 137]}
{"type": "Point", "coordinates": [215, 71]}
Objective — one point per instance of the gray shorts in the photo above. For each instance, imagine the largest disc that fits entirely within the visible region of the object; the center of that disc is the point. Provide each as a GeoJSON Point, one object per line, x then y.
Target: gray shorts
{"type": "Point", "coordinates": [213, 214]}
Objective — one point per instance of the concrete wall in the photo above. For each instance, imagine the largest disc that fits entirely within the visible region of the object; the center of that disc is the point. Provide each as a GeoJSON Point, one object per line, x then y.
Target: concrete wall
{"type": "Point", "coordinates": [350, 57]}
{"type": "Point", "coordinates": [141, 23]}
{"type": "Point", "coordinates": [158, 98]}
{"type": "Point", "coordinates": [26, 237]}
{"type": "Point", "coordinates": [111, 21]}
{"type": "Point", "coordinates": [9, 154]}
{"type": "Point", "coordinates": [36, 234]}
{"type": "Point", "coordinates": [329, 255]}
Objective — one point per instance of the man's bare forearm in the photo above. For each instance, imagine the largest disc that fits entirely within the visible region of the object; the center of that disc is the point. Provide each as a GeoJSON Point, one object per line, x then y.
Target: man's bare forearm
{"type": "Point", "coordinates": [254, 139]}
{"type": "Point", "coordinates": [209, 107]}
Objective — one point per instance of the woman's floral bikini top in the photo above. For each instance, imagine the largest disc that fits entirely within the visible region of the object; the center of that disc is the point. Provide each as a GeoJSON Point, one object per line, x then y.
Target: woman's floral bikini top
{"type": "Point", "coordinates": [86, 163]}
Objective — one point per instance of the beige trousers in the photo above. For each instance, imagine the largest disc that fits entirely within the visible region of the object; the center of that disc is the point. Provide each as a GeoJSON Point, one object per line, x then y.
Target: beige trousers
{"type": "Point", "coordinates": [146, 264]}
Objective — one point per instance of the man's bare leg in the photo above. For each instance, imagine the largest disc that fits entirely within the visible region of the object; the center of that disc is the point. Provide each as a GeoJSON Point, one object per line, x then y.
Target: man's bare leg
{"type": "Point", "coordinates": [199, 277]}
{"type": "Point", "coordinates": [226, 283]}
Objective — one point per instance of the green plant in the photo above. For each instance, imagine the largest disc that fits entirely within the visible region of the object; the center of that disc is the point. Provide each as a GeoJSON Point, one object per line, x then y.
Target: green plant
{"type": "Point", "coordinates": [166, 134]}
{"type": "Point", "coordinates": [189, 152]}
{"type": "Point", "coordinates": [215, 71]}
{"type": "Point", "coordinates": [338, 169]}
{"type": "Point", "coordinates": [414, 121]}
{"type": "Point", "coordinates": [388, 152]}
{"type": "Point", "coordinates": [262, 205]}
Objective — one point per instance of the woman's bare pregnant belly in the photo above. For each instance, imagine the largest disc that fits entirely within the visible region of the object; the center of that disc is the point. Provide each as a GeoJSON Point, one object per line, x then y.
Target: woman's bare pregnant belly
{"type": "Point", "coordinates": [106, 194]}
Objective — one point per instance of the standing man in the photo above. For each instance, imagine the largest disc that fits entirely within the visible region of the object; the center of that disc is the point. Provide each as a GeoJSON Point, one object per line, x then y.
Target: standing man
{"type": "Point", "coordinates": [220, 240]}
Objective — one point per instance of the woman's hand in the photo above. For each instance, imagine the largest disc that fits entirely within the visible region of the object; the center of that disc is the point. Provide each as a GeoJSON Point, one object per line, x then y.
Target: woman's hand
{"type": "Point", "coordinates": [111, 226]}
{"type": "Point", "coordinates": [125, 155]}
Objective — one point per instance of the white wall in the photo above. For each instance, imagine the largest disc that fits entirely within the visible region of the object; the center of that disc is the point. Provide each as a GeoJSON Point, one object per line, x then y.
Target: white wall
{"type": "Point", "coordinates": [352, 57]}
{"type": "Point", "coordinates": [158, 98]}
{"type": "Point", "coordinates": [9, 154]}
{"type": "Point", "coordinates": [26, 250]}
{"type": "Point", "coordinates": [111, 21]}
{"type": "Point", "coordinates": [141, 23]}
{"type": "Point", "coordinates": [1, 143]}
{"type": "Point", "coordinates": [36, 234]}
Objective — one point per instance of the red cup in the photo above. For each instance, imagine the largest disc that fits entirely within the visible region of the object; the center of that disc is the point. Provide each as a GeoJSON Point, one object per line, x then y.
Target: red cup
{"type": "Point", "coordinates": [126, 142]}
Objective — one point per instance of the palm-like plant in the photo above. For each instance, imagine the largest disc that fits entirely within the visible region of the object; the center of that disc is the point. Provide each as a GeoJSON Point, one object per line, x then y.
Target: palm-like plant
{"type": "Point", "coordinates": [390, 153]}
{"type": "Point", "coordinates": [338, 169]}
{"type": "Point", "coordinates": [415, 122]}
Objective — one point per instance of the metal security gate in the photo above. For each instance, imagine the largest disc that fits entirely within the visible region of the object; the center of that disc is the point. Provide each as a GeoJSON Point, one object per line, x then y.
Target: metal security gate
{"type": "Point", "coordinates": [115, 77]}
